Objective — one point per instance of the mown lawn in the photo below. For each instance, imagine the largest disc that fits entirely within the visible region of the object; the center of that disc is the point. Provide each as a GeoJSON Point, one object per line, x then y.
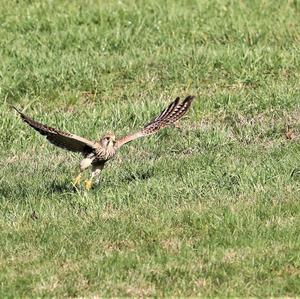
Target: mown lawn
{"type": "Point", "coordinates": [209, 207]}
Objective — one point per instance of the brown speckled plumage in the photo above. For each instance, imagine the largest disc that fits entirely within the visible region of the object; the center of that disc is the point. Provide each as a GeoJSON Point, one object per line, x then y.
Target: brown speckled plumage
{"type": "Point", "coordinates": [96, 153]}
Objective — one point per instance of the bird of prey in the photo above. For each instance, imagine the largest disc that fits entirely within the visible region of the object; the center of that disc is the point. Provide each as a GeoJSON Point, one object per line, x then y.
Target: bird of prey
{"type": "Point", "coordinates": [97, 153]}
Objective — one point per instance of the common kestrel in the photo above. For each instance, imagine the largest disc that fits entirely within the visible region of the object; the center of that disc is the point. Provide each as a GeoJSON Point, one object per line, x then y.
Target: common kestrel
{"type": "Point", "coordinates": [97, 153]}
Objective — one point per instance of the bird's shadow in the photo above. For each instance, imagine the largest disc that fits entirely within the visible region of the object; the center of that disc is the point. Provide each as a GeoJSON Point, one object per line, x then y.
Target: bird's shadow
{"type": "Point", "coordinates": [65, 187]}
{"type": "Point", "coordinates": [140, 175]}
{"type": "Point", "coordinates": [62, 187]}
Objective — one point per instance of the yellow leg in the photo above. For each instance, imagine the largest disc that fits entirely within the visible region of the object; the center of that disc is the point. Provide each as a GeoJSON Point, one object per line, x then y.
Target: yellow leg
{"type": "Point", "coordinates": [88, 184]}
{"type": "Point", "coordinates": [77, 180]}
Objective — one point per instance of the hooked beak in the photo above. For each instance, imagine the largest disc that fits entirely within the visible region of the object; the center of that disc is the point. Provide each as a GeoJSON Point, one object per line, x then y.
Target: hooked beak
{"type": "Point", "coordinates": [112, 140]}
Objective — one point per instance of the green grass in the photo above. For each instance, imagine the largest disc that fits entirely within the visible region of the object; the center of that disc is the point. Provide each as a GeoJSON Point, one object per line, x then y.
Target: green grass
{"type": "Point", "coordinates": [209, 208]}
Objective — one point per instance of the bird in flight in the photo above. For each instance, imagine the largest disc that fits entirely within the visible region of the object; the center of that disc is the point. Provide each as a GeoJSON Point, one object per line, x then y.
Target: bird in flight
{"type": "Point", "coordinates": [97, 153]}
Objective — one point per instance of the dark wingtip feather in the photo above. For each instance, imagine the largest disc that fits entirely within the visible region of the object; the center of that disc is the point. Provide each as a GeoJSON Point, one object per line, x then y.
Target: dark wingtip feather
{"type": "Point", "coordinates": [22, 115]}
{"type": "Point", "coordinates": [13, 107]}
{"type": "Point", "coordinates": [189, 99]}
{"type": "Point", "coordinates": [176, 100]}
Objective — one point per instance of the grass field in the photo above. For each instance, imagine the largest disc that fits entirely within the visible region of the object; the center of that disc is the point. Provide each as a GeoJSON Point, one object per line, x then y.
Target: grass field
{"type": "Point", "coordinates": [207, 208]}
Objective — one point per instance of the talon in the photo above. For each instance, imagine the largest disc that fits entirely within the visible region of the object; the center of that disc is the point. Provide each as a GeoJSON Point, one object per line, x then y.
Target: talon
{"type": "Point", "coordinates": [77, 180]}
{"type": "Point", "coordinates": [88, 184]}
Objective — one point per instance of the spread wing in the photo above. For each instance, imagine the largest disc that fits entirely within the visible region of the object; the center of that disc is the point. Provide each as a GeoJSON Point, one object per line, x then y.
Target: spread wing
{"type": "Point", "coordinates": [61, 139]}
{"type": "Point", "coordinates": [168, 116]}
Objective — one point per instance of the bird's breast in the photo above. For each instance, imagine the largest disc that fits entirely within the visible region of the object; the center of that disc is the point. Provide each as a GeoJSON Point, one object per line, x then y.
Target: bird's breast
{"type": "Point", "coordinates": [105, 153]}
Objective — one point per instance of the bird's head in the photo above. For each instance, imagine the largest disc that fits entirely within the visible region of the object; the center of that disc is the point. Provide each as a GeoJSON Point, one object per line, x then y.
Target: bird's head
{"type": "Point", "coordinates": [108, 140]}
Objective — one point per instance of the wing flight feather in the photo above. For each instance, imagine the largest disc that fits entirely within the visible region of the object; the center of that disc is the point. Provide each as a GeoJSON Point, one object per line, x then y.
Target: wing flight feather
{"type": "Point", "coordinates": [59, 138]}
{"type": "Point", "coordinates": [168, 116]}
